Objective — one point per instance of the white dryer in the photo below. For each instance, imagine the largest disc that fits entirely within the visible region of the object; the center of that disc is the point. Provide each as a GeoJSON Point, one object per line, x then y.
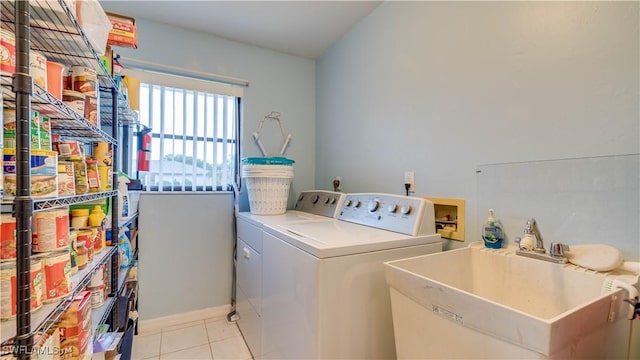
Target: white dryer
{"type": "Point", "coordinates": [324, 294]}
{"type": "Point", "coordinates": [310, 206]}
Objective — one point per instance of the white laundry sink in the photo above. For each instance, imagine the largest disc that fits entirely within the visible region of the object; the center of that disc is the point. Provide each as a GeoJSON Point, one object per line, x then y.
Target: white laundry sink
{"type": "Point", "coordinates": [478, 302]}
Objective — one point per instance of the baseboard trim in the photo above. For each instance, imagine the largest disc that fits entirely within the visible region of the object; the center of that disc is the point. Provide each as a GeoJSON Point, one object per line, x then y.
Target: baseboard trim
{"type": "Point", "coordinates": [155, 324]}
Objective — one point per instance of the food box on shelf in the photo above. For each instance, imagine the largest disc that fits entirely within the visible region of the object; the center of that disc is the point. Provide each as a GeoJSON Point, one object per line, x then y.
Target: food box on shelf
{"type": "Point", "coordinates": [68, 148]}
{"type": "Point", "coordinates": [123, 31]}
{"type": "Point", "coordinates": [75, 326]}
{"type": "Point", "coordinates": [44, 173]}
{"type": "Point", "coordinates": [66, 179]}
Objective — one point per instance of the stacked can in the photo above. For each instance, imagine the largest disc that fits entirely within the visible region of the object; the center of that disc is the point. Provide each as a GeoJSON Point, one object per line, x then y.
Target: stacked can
{"type": "Point", "coordinates": [44, 180]}
{"type": "Point", "coordinates": [85, 81]}
{"type": "Point", "coordinates": [72, 169]}
{"type": "Point", "coordinates": [98, 287]}
{"type": "Point", "coordinates": [8, 285]}
{"type": "Point", "coordinates": [51, 242]}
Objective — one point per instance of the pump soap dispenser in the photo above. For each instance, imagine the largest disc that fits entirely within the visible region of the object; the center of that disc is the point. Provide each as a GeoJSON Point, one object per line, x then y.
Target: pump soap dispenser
{"type": "Point", "coordinates": [492, 233]}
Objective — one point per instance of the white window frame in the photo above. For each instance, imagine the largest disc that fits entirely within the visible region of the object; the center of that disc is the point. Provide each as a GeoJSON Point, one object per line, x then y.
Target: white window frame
{"type": "Point", "coordinates": [202, 86]}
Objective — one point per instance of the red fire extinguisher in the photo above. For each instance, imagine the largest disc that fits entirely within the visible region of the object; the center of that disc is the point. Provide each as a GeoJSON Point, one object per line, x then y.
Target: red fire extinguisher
{"type": "Point", "coordinates": [144, 149]}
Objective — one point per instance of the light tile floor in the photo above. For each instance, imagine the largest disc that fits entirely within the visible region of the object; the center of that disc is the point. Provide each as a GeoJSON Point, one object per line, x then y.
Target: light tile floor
{"type": "Point", "coordinates": [203, 339]}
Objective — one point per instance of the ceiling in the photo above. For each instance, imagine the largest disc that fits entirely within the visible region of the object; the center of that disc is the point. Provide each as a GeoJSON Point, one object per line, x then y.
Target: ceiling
{"type": "Point", "coordinates": [301, 28]}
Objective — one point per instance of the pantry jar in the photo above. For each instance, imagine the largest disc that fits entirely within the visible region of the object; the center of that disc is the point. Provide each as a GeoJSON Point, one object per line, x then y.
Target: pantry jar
{"type": "Point", "coordinates": [80, 172]}
{"type": "Point", "coordinates": [79, 218]}
{"type": "Point", "coordinates": [87, 236]}
{"type": "Point", "coordinates": [93, 177]}
{"type": "Point", "coordinates": [73, 251]}
{"type": "Point", "coordinates": [83, 255]}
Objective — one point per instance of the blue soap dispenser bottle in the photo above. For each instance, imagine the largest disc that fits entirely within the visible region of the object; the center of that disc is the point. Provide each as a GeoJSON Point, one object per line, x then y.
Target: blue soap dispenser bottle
{"type": "Point", "coordinates": [492, 232]}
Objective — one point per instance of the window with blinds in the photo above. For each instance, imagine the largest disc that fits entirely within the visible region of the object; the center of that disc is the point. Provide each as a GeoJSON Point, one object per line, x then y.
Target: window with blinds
{"type": "Point", "coordinates": [194, 137]}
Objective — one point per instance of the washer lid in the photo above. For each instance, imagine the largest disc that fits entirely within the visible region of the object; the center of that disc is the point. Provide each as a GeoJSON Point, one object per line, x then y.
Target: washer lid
{"type": "Point", "coordinates": [330, 238]}
{"type": "Point", "coordinates": [287, 217]}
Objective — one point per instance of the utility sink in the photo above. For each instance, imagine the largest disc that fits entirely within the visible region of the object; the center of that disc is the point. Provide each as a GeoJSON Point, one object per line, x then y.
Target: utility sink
{"type": "Point", "coordinates": [479, 302]}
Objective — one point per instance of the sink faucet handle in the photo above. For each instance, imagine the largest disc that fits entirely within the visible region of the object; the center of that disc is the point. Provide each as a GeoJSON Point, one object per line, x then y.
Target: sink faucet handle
{"type": "Point", "coordinates": [528, 227]}
{"type": "Point", "coordinates": [558, 249]}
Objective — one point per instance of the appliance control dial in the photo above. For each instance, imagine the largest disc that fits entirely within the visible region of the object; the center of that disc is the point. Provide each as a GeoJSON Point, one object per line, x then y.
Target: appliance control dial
{"type": "Point", "coordinates": [357, 203]}
{"type": "Point", "coordinates": [326, 201]}
{"type": "Point", "coordinates": [348, 203]}
{"type": "Point", "coordinates": [373, 205]}
{"type": "Point", "coordinates": [333, 201]}
{"type": "Point", "coordinates": [406, 209]}
{"type": "Point", "coordinates": [392, 208]}
{"type": "Point", "coordinates": [315, 199]}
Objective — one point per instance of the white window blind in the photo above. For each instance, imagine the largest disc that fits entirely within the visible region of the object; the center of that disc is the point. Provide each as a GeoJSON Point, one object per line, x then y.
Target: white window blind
{"type": "Point", "coordinates": [194, 129]}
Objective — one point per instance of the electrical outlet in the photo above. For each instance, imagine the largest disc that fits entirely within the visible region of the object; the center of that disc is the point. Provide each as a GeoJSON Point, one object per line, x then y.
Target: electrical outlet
{"type": "Point", "coordinates": [337, 183]}
{"type": "Point", "coordinates": [410, 178]}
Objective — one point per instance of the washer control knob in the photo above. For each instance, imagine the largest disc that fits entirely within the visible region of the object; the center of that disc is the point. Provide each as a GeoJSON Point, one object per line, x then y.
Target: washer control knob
{"type": "Point", "coordinates": [316, 198]}
{"type": "Point", "coordinates": [373, 205]}
{"type": "Point", "coordinates": [301, 197]}
{"type": "Point", "coordinates": [333, 201]}
{"type": "Point", "coordinates": [406, 209]}
{"type": "Point", "coordinates": [326, 201]}
{"type": "Point", "coordinates": [357, 203]}
{"type": "Point", "coordinates": [392, 208]}
{"type": "Point", "coordinates": [348, 203]}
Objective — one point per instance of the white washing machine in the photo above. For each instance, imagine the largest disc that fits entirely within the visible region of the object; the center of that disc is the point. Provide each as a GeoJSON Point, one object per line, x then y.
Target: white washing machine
{"type": "Point", "coordinates": [310, 206]}
{"type": "Point", "coordinates": [324, 294]}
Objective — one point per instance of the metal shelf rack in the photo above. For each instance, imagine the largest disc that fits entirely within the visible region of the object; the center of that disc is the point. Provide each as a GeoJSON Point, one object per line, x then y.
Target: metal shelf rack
{"type": "Point", "coordinates": [50, 27]}
{"type": "Point", "coordinates": [64, 120]}
{"type": "Point", "coordinates": [45, 317]}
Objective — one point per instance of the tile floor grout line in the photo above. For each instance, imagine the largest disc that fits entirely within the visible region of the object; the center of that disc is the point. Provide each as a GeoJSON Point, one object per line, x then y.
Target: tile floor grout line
{"type": "Point", "coordinates": [206, 330]}
{"type": "Point", "coordinates": [210, 343]}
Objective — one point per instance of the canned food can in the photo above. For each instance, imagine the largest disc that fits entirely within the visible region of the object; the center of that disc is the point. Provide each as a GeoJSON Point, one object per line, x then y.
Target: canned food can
{"type": "Point", "coordinates": [73, 251]}
{"type": "Point", "coordinates": [9, 128]}
{"type": "Point", "coordinates": [9, 288]}
{"type": "Point", "coordinates": [38, 67]}
{"type": "Point", "coordinates": [97, 296]}
{"type": "Point", "coordinates": [75, 100]}
{"type": "Point", "coordinates": [57, 272]}
{"type": "Point", "coordinates": [85, 80]}
{"type": "Point", "coordinates": [50, 230]}
{"type": "Point", "coordinates": [66, 179]}
{"type": "Point", "coordinates": [7, 52]}
{"type": "Point", "coordinates": [92, 109]}
{"type": "Point", "coordinates": [7, 237]}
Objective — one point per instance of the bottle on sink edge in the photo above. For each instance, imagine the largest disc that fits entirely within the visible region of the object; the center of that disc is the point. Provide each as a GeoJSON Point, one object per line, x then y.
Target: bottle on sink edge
{"type": "Point", "coordinates": [492, 232]}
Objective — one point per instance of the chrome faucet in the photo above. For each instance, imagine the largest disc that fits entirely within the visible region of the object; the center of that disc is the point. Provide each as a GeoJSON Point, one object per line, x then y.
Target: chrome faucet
{"type": "Point", "coordinates": [531, 228]}
{"type": "Point", "coordinates": [556, 253]}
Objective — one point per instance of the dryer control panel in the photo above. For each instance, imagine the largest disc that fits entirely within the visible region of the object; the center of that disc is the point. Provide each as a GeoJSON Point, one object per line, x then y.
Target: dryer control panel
{"type": "Point", "coordinates": [403, 214]}
{"type": "Point", "coordinates": [320, 202]}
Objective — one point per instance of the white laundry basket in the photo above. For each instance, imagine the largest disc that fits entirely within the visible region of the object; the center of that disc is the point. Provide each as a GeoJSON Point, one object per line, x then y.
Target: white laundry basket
{"type": "Point", "coordinates": [267, 187]}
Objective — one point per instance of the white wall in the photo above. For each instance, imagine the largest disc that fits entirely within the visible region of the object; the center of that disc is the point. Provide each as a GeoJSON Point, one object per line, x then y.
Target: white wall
{"type": "Point", "coordinates": [277, 82]}
{"type": "Point", "coordinates": [185, 252]}
{"type": "Point", "coordinates": [441, 87]}
{"type": "Point", "coordinates": [185, 256]}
